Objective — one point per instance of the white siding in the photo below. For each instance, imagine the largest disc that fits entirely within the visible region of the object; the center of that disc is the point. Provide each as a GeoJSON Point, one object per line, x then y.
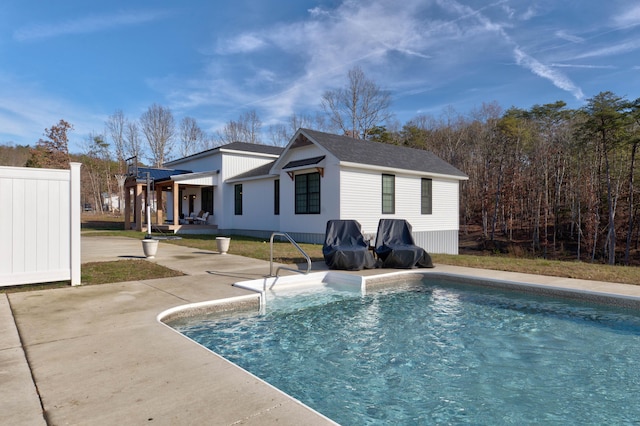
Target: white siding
{"type": "Point", "coordinates": [329, 194]}
{"type": "Point", "coordinates": [361, 199]}
{"type": "Point", "coordinates": [438, 241]}
{"type": "Point", "coordinates": [257, 206]}
{"type": "Point", "coordinates": [235, 164]}
{"type": "Point", "coordinates": [201, 164]}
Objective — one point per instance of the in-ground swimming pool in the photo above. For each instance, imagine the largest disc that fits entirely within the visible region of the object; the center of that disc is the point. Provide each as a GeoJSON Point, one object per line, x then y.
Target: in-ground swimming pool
{"type": "Point", "coordinates": [438, 352]}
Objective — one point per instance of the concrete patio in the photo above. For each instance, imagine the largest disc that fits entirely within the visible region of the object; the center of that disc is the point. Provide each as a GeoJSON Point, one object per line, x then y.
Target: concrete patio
{"type": "Point", "coordinates": [97, 355]}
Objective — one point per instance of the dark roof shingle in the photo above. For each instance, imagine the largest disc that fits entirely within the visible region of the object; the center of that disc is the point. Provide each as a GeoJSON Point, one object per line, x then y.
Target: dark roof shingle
{"type": "Point", "coordinates": [258, 171]}
{"type": "Point", "coordinates": [362, 151]}
{"type": "Point", "coordinates": [253, 147]}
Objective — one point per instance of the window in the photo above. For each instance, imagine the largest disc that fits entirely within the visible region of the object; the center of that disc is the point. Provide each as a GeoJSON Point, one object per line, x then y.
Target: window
{"type": "Point", "coordinates": [308, 193]}
{"type": "Point", "coordinates": [426, 196]}
{"type": "Point", "coordinates": [388, 194]}
{"type": "Point", "coordinates": [238, 198]}
{"type": "Point", "coordinates": [276, 197]}
{"type": "Point", "coordinates": [207, 199]}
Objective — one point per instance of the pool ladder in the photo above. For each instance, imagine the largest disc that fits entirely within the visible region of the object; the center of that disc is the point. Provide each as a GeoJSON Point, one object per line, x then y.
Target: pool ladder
{"type": "Point", "coordinates": [288, 237]}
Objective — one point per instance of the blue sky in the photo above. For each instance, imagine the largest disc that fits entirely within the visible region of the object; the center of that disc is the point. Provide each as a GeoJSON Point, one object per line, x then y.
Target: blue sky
{"type": "Point", "coordinates": [214, 60]}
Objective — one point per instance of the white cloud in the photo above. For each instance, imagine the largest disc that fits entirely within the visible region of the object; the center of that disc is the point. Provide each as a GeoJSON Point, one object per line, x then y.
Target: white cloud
{"type": "Point", "coordinates": [429, 43]}
{"type": "Point", "coordinates": [324, 47]}
{"type": "Point", "coordinates": [85, 25]}
{"type": "Point", "coordinates": [629, 17]}
{"type": "Point", "coordinates": [569, 37]}
{"type": "Point", "coordinates": [605, 67]}
{"type": "Point", "coordinates": [244, 43]}
{"type": "Point", "coordinates": [558, 79]}
{"type": "Point", "coordinates": [530, 13]}
{"type": "Point", "coordinates": [617, 49]}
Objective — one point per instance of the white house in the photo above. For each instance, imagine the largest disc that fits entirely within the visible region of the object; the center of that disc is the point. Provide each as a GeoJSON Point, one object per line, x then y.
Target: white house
{"type": "Point", "coordinates": [257, 189]}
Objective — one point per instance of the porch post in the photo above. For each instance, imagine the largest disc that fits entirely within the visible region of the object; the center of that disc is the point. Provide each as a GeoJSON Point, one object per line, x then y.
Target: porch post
{"type": "Point", "coordinates": [176, 200]}
{"type": "Point", "coordinates": [159, 205]}
{"type": "Point", "coordinates": [127, 208]}
{"type": "Point", "coordinates": [138, 207]}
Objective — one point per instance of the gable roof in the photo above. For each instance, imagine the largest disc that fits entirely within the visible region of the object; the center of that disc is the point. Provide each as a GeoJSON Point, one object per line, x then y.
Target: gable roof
{"type": "Point", "coordinates": [361, 151]}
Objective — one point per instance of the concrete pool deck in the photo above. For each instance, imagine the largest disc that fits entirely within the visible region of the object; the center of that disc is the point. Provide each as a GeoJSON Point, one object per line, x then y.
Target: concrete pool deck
{"type": "Point", "coordinates": [97, 355]}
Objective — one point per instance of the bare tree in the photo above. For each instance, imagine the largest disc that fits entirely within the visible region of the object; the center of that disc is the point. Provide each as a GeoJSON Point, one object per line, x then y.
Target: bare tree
{"type": "Point", "coordinates": [246, 129]}
{"type": "Point", "coordinates": [158, 126]}
{"type": "Point", "coordinates": [359, 107]}
{"type": "Point", "coordinates": [209, 141]}
{"type": "Point", "coordinates": [280, 134]}
{"type": "Point", "coordinates": [191, 136]}
{"type": "Point", "coordinates": [133, 144]}
{"type": "Point", "coordinates": [297, 121]}
{"type": "Point", "coordinates": [97, 168]}
{"type": "Point", "coordinates": [116, 126]}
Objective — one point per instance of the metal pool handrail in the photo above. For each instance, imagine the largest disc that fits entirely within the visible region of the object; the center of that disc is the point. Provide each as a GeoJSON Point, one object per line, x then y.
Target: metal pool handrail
{"type": "Point", "coordinates": [306, 256]}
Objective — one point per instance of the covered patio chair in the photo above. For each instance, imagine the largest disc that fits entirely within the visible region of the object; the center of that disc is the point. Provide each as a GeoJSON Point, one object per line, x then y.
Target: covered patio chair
{"type": "Point", "coordinates": [345, 248]}
{"type": "Point", "coordinates": [395, 246]}
{"type": "Point", "coordinates": [202, 219]}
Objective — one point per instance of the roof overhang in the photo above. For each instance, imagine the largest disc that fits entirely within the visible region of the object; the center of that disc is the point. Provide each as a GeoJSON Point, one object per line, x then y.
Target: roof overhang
{"type": "Point", "coordinates": [252, 178]}
{"type": "Point", "coordinates": [394, 170]}
{"type": "Point", "coordinates": [200, 178]}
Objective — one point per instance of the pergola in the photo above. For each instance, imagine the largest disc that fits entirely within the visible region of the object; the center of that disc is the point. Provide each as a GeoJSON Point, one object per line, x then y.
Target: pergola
{"type": "Point", "coordinates": [141, 180]}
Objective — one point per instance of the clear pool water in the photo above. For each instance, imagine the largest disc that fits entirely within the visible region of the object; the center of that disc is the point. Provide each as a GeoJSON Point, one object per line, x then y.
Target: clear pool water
{"type": "Point", "coordinates": [440, 353]}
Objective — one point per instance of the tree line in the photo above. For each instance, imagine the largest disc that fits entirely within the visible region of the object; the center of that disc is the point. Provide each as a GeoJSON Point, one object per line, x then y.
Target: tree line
{"type": "Point", "coordinates": [563, 180]}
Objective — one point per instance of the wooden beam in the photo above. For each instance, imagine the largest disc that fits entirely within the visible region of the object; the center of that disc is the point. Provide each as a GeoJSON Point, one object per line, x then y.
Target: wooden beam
{"type": "Point", "coordinates": [176, 200]}
{"type": "Point", "coordinates": [159, 206]}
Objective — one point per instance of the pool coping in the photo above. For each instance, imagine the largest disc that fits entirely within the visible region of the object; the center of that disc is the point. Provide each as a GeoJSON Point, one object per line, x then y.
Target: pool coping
{"type": "Point", "coordinates": [363, 283]}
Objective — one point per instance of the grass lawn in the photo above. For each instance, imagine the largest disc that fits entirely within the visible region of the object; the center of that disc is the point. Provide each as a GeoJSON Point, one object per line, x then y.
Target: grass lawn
{"type": "Point", "coordinates": [284, 252]}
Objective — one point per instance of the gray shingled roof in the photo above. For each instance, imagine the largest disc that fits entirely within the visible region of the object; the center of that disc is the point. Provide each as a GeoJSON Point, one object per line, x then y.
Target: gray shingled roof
{"type": "Point", "coordinates": [380, 154]}
{"type": "Point", "coordinates": [252, 147]}
{"type": "Point", "coordinates": [236, 146]}
{"type": "Point", "coordinates": [258, 171]}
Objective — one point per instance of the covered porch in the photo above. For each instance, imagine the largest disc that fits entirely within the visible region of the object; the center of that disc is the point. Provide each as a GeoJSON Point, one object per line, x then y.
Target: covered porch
{"type": "Point", "coordinates": [173, 196]}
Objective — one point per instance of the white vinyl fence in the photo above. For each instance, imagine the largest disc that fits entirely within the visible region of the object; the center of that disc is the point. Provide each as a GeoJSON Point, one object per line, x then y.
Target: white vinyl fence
{"type": "Point", "coordinates": [39, 225]}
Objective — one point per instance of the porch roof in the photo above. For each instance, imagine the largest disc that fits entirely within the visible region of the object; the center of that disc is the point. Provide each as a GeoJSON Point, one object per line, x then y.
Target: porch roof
{"type": "Point", "coordinates": [209, 178]}
{"type": "Point", "coordinates": [155, 174]}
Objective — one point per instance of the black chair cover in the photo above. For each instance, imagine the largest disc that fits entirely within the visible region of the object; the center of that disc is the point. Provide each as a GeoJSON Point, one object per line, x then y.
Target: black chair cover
{"type": "Point", "coordinates": [344, 246]}
{"type": "Point", "coordinates": [395, 246]}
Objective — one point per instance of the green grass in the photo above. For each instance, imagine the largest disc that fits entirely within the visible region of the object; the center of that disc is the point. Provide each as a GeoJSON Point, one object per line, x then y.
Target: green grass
{"type": "Point", "coordinates": [256, 248]}
{"type": "Point", "coordinates": [124, 270]}
{"type": "Point", "coordinates": [104, 273]}
{"type": "Point", "coordinates": [284, 252]}
{"type": "Point", "coordinates": [556, 268]}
